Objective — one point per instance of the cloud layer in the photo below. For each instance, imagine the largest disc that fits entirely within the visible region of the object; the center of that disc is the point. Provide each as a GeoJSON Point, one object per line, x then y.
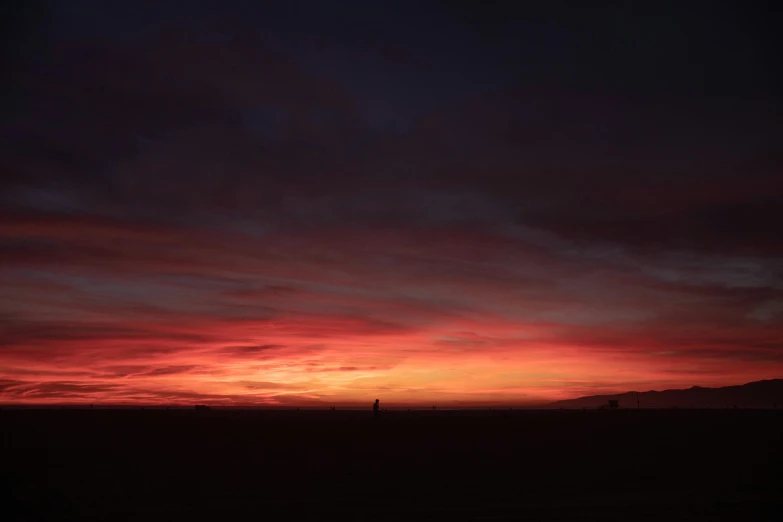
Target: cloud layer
{"type": "Point", "coordinates": [320, 208]}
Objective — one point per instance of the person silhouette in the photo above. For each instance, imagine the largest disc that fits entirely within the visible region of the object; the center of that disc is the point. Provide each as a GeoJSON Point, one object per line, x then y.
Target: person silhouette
{"type": "Point", "coordinates": [375, 409]}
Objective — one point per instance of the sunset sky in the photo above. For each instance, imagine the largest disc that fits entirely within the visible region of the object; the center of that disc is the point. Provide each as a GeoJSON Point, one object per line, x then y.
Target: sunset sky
{"type": "Point", "coordinates": [429, 203]}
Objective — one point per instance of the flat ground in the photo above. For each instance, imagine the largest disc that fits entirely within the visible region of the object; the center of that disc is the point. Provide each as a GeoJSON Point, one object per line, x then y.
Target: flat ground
{"type": "Point", "coordinates": [523, 465]}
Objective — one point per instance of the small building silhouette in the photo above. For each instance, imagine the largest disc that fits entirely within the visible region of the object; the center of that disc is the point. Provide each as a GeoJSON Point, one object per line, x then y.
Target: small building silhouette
{"type": "Point", "coordinates": [202, 407]}
{"type": "Point", "coordinates": [613, 404]}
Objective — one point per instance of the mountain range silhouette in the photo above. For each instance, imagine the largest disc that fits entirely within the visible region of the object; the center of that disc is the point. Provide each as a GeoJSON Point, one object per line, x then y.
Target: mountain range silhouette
{"type": "Point", "coordinates": [757, 394]}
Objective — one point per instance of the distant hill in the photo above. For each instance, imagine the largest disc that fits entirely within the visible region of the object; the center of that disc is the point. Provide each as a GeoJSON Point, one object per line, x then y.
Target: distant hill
{"type": "Point", "coordinates": [758, 394]}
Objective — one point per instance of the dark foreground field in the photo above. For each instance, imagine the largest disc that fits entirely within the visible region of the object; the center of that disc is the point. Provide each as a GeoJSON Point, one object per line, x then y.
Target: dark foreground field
{"type": "Point", "coordinates": [524, 465]}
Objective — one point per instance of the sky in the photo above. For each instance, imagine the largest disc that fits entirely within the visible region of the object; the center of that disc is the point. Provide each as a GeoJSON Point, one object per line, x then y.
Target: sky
{"type": "Point", "coordinates": [430, 203]}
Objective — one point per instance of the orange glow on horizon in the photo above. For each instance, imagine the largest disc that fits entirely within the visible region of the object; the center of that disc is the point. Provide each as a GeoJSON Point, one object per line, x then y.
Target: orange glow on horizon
{"type": "Point", "coordinates": [251, 328]}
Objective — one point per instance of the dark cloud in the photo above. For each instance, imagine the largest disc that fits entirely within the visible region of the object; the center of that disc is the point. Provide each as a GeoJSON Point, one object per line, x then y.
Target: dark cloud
{"type": "Point", "coordinates": [31, 332]}
{"type": "Point", "coordinates": [9, 384]}
{"type": "Point", "coordinates": [58, 389]}
{"type": "Point", "coordinates": [253, 349]}
{"type": "Point", "coordinates": [348, 369]}
{"type": "Point", "coordinates": [261, 385]}
{"type": "Point", "coordinates": [168, 370]}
